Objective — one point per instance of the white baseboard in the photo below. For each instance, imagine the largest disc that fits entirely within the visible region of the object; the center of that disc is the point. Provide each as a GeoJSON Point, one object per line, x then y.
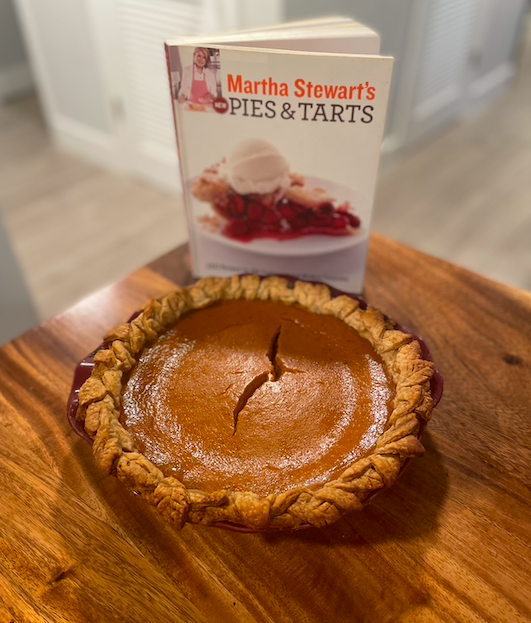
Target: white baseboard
{"type": "Point", "coordinates": [489, 86]}
{"type": "Point", "coordinates": [160, 170]}
{"type": "Point", "coordinates": [159, 167]}
{"type": "Point", "coordinates": [165, 179]}
{"type": "Point", "coordinates": [15, 80]}
{"type": "Point", "coordinates": [93, 145]}
{"type": "Point", "coordinates": [391, 144]}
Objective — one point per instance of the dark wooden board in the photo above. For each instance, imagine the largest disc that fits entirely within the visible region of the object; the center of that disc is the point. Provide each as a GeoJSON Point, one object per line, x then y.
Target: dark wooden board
{"type": "Point", "coordinates": [449, 542]}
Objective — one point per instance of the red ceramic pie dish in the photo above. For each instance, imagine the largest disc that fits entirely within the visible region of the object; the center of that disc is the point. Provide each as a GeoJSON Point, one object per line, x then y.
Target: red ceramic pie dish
{"type": "Point", "coordinates": [84, 368]}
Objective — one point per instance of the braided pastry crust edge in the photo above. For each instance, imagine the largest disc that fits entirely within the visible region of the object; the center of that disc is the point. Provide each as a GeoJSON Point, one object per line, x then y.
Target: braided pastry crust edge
{"type": "Point", "coordinates": [114, 447]}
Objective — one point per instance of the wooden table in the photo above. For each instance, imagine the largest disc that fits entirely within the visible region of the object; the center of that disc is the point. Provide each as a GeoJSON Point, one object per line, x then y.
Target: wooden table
{"type": "Point", "coordinates": [450, 542]}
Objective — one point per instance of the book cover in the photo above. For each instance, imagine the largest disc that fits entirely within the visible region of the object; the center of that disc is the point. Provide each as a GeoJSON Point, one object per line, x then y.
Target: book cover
{"type": "Point", "coordinates": [279, 155]}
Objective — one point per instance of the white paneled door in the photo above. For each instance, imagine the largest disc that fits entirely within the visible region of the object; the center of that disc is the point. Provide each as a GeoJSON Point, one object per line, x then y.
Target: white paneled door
{"type": "Point", "coordinates": [101, 73]}
{"type": "Point", "coordinates": [441, 80]}
{"type": "Point", "coordinates": [130, 38]}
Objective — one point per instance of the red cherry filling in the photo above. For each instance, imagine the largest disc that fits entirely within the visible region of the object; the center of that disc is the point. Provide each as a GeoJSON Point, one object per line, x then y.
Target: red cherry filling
{"type": "Point", "coordinates": [271, 219]}
{"type": "Point", "coordinates": [248, 219]}
{"type": "Point", "coordinates": [254, 212]}
{"type": "Point", "coordinates": [236, 229]}
{"type": "Point", "coordinates": [236, 204]}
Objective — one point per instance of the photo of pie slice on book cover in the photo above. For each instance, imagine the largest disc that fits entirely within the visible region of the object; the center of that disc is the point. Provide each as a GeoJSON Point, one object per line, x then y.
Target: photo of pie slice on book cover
{"type": "Point", "coordinates": [254, 194]}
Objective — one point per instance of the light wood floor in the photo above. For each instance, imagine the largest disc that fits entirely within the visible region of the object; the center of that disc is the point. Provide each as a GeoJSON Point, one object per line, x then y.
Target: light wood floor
{"type": "Point", "coordinates": [75, 228]}
{"type": "Point", "coordinates": [465, 196]}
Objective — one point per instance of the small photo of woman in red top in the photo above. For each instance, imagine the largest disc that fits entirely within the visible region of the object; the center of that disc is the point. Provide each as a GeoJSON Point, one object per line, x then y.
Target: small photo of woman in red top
{"type": "Point", "coordinates": [199, 87]}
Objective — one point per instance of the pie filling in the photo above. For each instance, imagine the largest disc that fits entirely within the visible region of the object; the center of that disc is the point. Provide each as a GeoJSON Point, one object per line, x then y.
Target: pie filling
{"type": "Point", "coordinates": [257, 396]}
{"type": "Point", "coordinates": [283, 213]}
{"type": "Point", "coordinates": [249, 217]}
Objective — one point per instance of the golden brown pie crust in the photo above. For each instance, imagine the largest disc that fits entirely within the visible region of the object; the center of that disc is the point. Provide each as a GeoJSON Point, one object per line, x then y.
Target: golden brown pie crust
{"type": "Point", "coordinates": [100, 400]}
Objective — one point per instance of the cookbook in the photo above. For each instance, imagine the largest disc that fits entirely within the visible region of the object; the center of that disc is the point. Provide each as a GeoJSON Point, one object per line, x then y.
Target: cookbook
{"type": "Point", "coordinates": [279, 134]}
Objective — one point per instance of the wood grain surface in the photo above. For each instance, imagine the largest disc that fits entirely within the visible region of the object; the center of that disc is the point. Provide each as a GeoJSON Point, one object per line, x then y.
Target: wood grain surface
{"type": "Point", "coordinates": [449, 542]}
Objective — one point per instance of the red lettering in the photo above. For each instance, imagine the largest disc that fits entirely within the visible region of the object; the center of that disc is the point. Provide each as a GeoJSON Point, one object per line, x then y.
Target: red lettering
{"type": "Point", "coordinates": [235, 86]}
{"type": "Point", "coordinates": [299, 87]}
{"type": "Point", "coordinates": [331, 91]}
{"type": "Point", "coordinates": [268, 86]}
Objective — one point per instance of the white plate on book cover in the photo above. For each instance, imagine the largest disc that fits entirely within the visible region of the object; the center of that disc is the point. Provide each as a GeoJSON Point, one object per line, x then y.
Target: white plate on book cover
{"type": "Point", "coordinates": [308, 245]}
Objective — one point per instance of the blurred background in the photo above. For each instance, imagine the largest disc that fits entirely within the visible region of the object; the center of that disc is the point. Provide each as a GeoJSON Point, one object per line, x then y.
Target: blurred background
{"type": "Point", "coordinates": [89, 184]}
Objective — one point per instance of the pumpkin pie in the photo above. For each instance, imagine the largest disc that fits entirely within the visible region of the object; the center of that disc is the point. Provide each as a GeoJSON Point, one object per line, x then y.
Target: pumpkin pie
{"type": "Point", "coordinates": [256, 401]}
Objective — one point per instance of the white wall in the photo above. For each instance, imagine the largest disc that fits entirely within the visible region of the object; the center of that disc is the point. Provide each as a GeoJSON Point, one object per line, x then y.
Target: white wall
{"type": "Point", "coordinates": [495, 47]}
{"type": "Point", "coordinates": [506, 18]}
{"type": "Point", "coordinates": [17, 313]}
{"type": "Point", "coordinates": [62, 50]}
{"type": "Point", "coordinates": [11, 46]}
{"type": "Point", "coordinates": [15, 76]}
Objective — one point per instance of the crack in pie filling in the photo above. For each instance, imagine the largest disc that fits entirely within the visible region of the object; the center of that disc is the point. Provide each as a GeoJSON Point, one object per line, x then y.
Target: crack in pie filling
{"type": "Point", "coordinates": [257, 402]}
{"type": "Point", "coordinates": [256, 395]}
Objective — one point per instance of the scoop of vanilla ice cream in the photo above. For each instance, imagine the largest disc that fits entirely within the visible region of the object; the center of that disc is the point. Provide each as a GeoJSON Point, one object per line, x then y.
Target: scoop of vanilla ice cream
{"type": "Point", "coordinates": [256, 166]}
